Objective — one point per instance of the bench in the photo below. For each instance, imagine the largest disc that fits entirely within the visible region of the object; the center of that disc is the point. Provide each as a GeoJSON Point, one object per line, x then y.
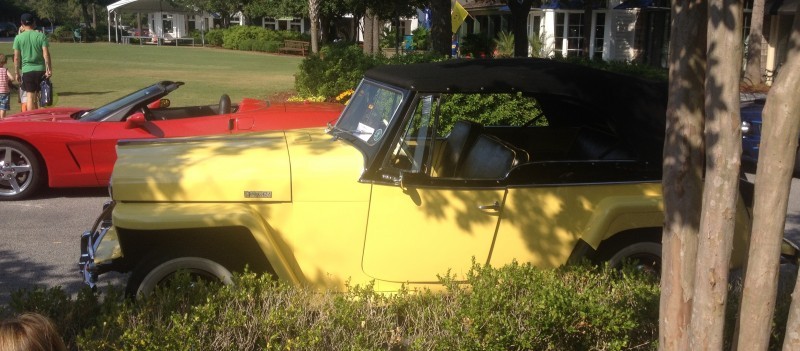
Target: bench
{"type": "Point", "coordinates": [295, 46]}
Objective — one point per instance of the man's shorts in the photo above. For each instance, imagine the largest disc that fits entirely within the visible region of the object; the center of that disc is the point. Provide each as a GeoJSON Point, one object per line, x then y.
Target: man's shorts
{"type": "Point", "coordinates": [4, 101]}
{"type": "Point", "coordinates": [31, 81]}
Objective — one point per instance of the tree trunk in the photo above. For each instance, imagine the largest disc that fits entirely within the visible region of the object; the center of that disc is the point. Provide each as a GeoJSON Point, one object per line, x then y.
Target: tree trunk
{"type": "Point", "coordinates": [313, 16]}
{"type": "Point", "coordinates": [369, 22]}
{"type": "Point", "coordinates": [721, 188]}
{"type": "Point", "coordinates": [785, 91]}
{"type": "Point", "coordinates": [324, 30]}
{"type": "Point", "coordinates": [781, 123]}
{"type": "Point", "coordinates": [683, 170]}
{"type": "Point", "coordinates": [519, 25]}
{"type": "Point", "coordinates": [441, 28]}
{"type": "Point", "coordinates": [753, 74]}
{"type": "Point", "coordinates": [377, 27]}
{"type": "Point", "coordinates": [87, 19]}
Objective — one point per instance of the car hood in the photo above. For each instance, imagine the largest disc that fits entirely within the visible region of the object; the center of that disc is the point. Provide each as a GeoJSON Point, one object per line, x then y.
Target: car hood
{"type": "Point", "coordinates": [45, 115]}
{"type": "Point", "coordinates": [253, 167]}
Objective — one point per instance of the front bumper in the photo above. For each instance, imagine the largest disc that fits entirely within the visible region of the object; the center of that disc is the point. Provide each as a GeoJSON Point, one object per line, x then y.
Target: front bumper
{"type": "Point", "coordinates": [88, 264]}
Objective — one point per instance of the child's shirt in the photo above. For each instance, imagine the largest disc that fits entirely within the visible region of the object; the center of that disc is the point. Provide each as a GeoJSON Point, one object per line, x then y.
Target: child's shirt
{"type": "Point", "coordinates": [5, 88]}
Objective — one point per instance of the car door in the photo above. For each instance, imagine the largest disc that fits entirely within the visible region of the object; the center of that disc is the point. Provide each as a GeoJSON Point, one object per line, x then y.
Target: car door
{"type": "Point", "coordinates": [421, 226]}
{"type": "Point", "coordinates": [106, 134]}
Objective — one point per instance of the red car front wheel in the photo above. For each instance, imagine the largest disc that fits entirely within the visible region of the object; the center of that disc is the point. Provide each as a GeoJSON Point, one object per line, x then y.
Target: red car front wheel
{"type": "Point", "coordinates": [20, 170]}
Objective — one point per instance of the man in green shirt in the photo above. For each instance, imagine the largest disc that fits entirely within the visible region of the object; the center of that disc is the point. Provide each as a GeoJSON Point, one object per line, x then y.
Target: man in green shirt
{"type": "Point", "coordinates": [31, 59]}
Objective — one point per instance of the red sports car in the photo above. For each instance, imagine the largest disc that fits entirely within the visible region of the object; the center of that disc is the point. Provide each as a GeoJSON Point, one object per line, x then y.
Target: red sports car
{"type": "Point", "coordinates": [73, 147]}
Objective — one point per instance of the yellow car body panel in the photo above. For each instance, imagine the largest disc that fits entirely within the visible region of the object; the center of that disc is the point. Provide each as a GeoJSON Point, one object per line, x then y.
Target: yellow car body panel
{"type": "Point", "coordinates": [109, 249]}
{"type": "Point", "coordinates": [542, 225]}
{"type": "Point", "coordinates": [415, 234]}
{"type": "Point", "coordinates": [307, 241]}
{"type": "Point", "coordinates": [218, 169]}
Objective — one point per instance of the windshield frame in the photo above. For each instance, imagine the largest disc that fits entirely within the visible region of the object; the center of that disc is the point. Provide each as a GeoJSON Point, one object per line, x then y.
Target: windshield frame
{"type": "Point", "coordinates": [349, 127]}
{"type": "Point", "coordinates": [118, 109]}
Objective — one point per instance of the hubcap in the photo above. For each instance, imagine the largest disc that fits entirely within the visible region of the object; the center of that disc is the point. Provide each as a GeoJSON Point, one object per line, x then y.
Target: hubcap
{"type": "Point", "coordinates": [15, 172]}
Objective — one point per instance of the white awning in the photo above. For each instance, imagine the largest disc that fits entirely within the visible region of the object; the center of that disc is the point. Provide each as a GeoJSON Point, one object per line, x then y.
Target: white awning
{"type": "Point", "coordinates": [145, 6]}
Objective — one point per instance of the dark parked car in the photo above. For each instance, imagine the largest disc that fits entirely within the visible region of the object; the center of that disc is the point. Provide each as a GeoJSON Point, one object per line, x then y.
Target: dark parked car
{"type": "Point", "coordinates": [7, 29]}
{"type": "Point", "coordinates": [751, 136]}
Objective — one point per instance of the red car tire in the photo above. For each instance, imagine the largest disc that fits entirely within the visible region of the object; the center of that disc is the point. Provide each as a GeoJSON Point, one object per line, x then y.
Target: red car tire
{"type": "Point", "coordinates": [21, 171]}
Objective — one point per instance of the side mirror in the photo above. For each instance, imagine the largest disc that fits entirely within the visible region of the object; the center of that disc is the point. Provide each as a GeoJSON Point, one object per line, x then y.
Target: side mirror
{"type": "Point", "coordinates": [163, 103]}
{"type": "Point", "coordinates": [135, 120]}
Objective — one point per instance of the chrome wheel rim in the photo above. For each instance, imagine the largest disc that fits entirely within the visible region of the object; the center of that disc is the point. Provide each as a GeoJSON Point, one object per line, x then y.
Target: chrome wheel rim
{"type": "Point", "coordinates": [16, 173]}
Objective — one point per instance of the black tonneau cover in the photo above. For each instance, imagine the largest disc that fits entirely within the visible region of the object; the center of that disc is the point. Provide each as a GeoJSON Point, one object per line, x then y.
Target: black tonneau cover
{"type": "Point", "coordinates": [569, 94]}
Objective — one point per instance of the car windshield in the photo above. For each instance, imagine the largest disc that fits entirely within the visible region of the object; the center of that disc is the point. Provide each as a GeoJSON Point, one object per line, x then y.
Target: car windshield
{"type": "Point", "coordinates": [104, 111]}
{"type": "Point", "coordinates": [369, 113]}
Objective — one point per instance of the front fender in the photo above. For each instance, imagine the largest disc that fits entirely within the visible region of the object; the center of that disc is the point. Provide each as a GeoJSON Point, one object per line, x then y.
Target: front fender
{"type": "Point", "coordinates": [168, 216]}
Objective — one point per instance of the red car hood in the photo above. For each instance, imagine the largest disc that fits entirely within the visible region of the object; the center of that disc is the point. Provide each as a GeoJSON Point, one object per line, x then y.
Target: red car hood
{"type": "Point", "coordinates": [45, 114]}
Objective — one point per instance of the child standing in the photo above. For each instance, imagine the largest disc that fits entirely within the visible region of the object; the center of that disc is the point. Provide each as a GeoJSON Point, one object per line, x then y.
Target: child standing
{"type": "Point", "coordinates": [5, 87]}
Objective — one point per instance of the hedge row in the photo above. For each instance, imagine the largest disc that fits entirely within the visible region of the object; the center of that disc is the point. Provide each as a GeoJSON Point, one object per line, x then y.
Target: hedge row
{"type": "Point", "coordinates": [512, 308]}
{"type": "Point", "coordinates": [339, 67]}
{"type": "Point", "coordinates": [251, 38]}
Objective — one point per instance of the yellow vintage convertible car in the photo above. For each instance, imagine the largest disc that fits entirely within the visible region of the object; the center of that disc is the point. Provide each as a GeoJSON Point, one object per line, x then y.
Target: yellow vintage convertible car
{"type": "Point", "coordinates": [429, 167]}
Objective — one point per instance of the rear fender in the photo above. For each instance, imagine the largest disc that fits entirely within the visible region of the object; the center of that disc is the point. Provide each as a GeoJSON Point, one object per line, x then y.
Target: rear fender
{"type": "Point", "coordinates": [622, 213]}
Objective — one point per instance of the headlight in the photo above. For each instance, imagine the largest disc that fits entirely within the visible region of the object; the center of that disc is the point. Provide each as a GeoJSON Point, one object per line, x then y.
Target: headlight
{"type": "Point", "coordinates": [745, 127]}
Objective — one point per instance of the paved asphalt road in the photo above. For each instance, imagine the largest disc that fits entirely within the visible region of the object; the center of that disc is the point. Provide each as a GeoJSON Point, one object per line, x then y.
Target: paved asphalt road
{"type": "Point", "coordinates": [39, 238]}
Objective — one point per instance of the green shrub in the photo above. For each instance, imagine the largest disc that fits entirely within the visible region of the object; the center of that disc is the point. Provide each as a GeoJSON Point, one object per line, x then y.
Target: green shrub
{"type": "Point", "coordinates": [61, 34]}
{"type": "Point", "coordinates": [504, 44]}
{"type": "Point", "coordinates": [489, 109]}
{"type": "Point", "coordinates": [633, 69]}
{"type": "Point", "coordinates": [336, 68]}
{"type": "Point", "coordinates": [573, 308]}
{"type": "Point", "coordinates": [476, 45]}
{"type": "Point", "coordinates": [237, 37]}
{"type": "Point", "coordinates": [291, 35]}
{"type": "Point", "coordinates": [389, 38]}
{"type": "Point", "coordinates": [340, 67]}
{"type": "Point", "coordinates": [514, 307]}
{"type": "Point", "coordinates": [421, 38]}
{"type": "Point", "coordinates": [272, 46]}
{"type": "Point", "coordinates": [214, 37]}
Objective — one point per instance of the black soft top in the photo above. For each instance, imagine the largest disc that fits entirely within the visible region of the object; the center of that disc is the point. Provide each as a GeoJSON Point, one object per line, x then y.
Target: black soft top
{"type": "Point", "coordinates": [569, 94]}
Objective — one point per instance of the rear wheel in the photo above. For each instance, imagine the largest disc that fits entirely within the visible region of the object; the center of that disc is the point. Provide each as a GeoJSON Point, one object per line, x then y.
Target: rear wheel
{"type": "Point", "coordinates": [21, 173]}
{"type": "Point", "coordinates": [145, 279]}
{"type": "Point", "coordinates": [644, 256]}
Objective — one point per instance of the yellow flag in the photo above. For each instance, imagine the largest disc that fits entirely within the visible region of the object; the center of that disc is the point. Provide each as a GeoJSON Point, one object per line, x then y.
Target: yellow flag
{"type": "Point", "coordinates": [457, 16]}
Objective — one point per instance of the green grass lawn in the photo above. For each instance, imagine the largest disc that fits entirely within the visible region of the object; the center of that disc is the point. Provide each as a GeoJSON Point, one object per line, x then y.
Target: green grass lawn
{"type": "Point", "coordinates": [92, 74]}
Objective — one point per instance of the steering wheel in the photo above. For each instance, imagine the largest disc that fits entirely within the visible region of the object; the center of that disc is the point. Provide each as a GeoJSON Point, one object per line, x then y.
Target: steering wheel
{"type": "Point", "coordinates": [148, 115]}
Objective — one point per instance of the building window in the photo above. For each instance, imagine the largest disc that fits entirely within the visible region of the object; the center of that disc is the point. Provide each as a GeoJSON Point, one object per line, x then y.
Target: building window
{"type": "Point", "coordinates": [270, 23]}
{"type": "Point", "coordinates": [166, 23]}
{"type": "Point", "coordinates": [296, 25]}
{"type": "Point", "coordinates": [534, 25]}
{"type": "Point", "coordinates": [569, 33]}
{"type": "Point", "coordinates": [599, 35]}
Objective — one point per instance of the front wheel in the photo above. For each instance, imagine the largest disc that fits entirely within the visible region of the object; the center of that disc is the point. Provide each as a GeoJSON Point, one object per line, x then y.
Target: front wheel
{"type": "Point", "coordinates": [21, 173]}
{"type": "Point", "coordinates": [645, 256]}
{"type": "Point", "coordinates": [144, 280]}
